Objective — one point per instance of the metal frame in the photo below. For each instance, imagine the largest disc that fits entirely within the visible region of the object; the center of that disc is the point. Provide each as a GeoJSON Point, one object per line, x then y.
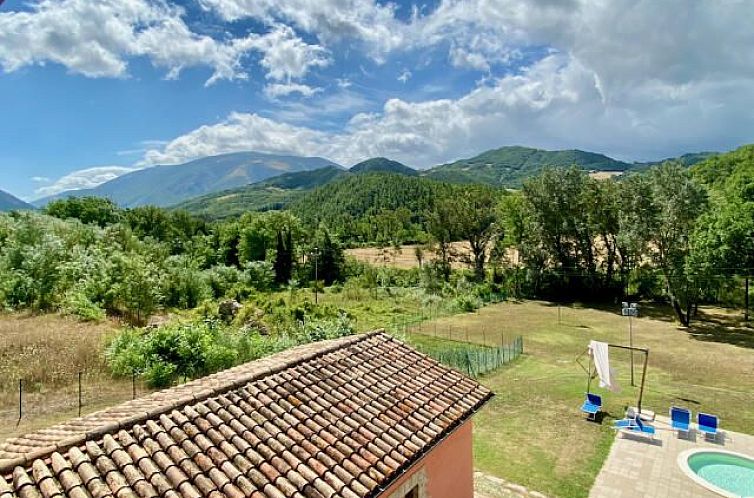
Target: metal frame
{"type": "Point", "coordinates": [590, 375]}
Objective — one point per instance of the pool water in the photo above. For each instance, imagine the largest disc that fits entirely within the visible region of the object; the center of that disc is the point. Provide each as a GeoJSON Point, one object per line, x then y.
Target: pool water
{"type": "Point", "coordinates": [730, 472]}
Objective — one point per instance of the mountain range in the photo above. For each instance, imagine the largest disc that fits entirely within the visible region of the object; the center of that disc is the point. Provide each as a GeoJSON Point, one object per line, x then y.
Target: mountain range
{"type": "Point", "coordinates": [227, 184]}
{"type": "Point", "coordinates": [504, 167]}
{"type": "Point", "coordinates": [168, 185]}
{"type": "Point", "coordinates": [11, 203]}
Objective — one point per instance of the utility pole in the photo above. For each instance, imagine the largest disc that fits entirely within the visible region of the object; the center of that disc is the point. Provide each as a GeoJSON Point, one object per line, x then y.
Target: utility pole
{"type": "Point", "coordinates": [630, 310]}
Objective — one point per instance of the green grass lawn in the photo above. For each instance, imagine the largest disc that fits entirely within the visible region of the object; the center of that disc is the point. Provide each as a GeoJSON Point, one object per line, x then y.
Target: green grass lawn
{"type": "Point", "coordinates": [533, 433]}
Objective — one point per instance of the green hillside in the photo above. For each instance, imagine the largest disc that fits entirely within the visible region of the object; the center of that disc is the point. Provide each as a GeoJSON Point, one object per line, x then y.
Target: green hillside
{"type": "Point", "coordinates": [273, 193]}
{"type": "Point", "coordinates": [510, 166]}
{"type": "Point", "coordinates": [686, 159]}
{"type": "Point", "coordinates": [730, 171]}
{"type": "Point", "coordinates": [11, 203]}
{"type": "Point", "coordinates": [357, 206]}
{"type": "Point", "coordinates": [383, 165]}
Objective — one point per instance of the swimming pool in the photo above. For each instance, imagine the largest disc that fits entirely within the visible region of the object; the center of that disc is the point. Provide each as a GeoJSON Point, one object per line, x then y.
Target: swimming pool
{"type": "Point", "coordinates": [724, 472]}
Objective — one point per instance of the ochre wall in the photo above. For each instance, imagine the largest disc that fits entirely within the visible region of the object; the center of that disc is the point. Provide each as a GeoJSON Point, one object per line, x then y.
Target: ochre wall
{"type": "Point", "coordinates": [448, 470]}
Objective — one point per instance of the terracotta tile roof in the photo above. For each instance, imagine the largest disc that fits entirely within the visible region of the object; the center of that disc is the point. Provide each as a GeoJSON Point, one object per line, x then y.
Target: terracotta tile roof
{"type": "Point", "coordinates": [336, 418]}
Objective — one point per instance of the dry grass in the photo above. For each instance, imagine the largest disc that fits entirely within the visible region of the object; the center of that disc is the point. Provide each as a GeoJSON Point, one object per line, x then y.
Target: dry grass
{"type": "Point", "coordinates": [405, 256]}
{"type": "Point", "coordinates": [532, 432]}
{"type": "Point", "coordinates": [48, 352]}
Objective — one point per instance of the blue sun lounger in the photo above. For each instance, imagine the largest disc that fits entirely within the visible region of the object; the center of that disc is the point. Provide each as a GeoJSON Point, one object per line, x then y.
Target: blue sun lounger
{"type": "Point", "coordinates": [634, 425]}
{"type": "Point", "coordinates": [680, 419]}
{"type": "Point", "coordinates": [592, 405]}
{"type": "Point", "coordinates": [707, 424]}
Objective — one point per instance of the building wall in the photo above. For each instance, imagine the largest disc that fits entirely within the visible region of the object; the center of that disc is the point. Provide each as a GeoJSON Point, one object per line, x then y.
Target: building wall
{"type": "Point", "coordinates": [445, 472]}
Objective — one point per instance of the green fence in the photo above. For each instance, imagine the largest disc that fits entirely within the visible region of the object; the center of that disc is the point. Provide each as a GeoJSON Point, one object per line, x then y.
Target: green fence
{"type": "Point", "coordinates": [474, 359]}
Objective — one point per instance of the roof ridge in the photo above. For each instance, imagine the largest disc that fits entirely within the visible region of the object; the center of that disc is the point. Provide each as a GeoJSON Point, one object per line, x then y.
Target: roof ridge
{"type": "Point", "coordinates": [75, 432]}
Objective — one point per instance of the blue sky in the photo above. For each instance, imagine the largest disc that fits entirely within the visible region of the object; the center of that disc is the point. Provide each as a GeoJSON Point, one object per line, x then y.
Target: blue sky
{"type": "Point", "coordinates": [90, 89]}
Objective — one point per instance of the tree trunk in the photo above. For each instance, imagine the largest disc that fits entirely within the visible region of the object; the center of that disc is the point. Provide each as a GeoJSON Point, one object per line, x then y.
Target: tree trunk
{"type": "Point", "coordinates": [682, 317]}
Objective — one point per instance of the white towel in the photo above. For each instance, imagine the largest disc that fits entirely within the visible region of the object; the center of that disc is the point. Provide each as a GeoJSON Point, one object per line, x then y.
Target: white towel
{"type": "Point", "coordinates": [599, 353]}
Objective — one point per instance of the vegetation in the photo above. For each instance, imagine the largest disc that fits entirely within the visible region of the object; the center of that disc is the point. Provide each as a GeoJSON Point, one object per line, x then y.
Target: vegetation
{"type": "Point", "coordinates": [267, 195]}
{"type": "Point", "coordinates": [511, 166]}
{"type": "Point", "coordinates": [382, 165]}
{"type": "Point", "coordinates": [196, 349]}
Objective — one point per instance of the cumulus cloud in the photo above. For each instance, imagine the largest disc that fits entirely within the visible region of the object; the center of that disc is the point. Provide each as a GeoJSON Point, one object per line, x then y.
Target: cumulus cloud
{"type": "Point", "coordinates": [237, 133]}
{"type": "Point", "coordinates": [97, 38]}
{"type": "Point", "coordinates": [555, 103]}
{"type": "Point", "coordinates": [83, 179]}
{"type": "Point", "coordinates": [367, 22]}
{"type": "Point", "coordinates": [286, 56]}
{"type": "Point", "coordinates": [277, 90]}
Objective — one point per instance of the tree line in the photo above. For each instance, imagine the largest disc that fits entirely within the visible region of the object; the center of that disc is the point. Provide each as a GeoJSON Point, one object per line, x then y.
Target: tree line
{"type": "Point", "coordinates": [674, 233]}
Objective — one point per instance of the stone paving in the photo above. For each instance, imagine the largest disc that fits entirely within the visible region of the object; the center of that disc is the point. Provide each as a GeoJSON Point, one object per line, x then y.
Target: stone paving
{"type": "Point", "coordinates": [637, 467]}
{"type": "Point", "coordinates": [487, 486]}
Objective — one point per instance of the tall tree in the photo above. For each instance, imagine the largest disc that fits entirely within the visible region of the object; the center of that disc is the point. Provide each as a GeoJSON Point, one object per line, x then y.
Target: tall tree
{"type": "Point", "coordinates": [679, 201]}
{"type": "Point", "coordinates": [442, 225]}
{"type": "Point", "coordinates": [477, 223]}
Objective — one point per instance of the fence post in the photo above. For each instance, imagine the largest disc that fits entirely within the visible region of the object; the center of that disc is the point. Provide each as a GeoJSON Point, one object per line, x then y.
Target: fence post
{"type": "Point", "coordinates": [133, 384]}
{"type": "Point", "coordinates": [80, 397]}
{"type": "Point", "coordinates": [20, 399]}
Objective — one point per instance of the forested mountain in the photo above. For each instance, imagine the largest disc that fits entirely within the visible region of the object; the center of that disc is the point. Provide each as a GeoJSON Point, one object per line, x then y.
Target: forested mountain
{"type": "Point", "coordinates": [510, 166]}
{"type": "Point", "coordinates": [383, 165]}
{"type": "Point", "coordinates": [10, 203]}
{"type": "Point", "coordinates": [274, 193]}
{"type": "Point", "coordinates": [374, 206]}
{"type": "Point", "coordinates": [168, 185]}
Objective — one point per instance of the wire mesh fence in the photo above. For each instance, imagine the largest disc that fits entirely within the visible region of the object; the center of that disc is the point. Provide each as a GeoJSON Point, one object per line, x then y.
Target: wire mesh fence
{"type": "Point", "coordinates": [473, 359]}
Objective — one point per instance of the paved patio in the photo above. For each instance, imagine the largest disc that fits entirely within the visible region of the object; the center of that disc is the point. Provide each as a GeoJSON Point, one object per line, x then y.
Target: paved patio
{"type": "Point", "coordinates": [636, 467]}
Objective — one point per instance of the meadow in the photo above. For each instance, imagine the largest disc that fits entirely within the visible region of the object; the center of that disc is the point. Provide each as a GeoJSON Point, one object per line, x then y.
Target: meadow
{"type": "Point", "coordinates": [532, 432]}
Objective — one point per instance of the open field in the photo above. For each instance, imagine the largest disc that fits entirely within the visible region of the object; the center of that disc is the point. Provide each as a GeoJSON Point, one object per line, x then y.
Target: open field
{"type": "Point", "coordinates": [533, 433]}
{"type": "Point", "coordinates": [402, 257]}
{"type": "Point", "coordinates": [48, 352]}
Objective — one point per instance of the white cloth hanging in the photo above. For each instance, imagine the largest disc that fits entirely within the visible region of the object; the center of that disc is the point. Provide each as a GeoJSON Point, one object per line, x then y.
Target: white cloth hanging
{"type": "Point", "coordinates": [599, 353]}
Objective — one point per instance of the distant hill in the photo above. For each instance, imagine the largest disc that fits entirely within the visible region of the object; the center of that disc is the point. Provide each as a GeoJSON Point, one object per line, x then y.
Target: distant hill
{"type": "Point", "coordinates": [510, 166]}
{"type": "Point", "coordinates": [352, 197]}
{"type": "Point", "coordinates": [687, 160]}
{"type": "Point", "coordinates": [11, 203]}
{"type": "Point", "coordinates": [169, 185]}
{"type": "Point", "coordinates": [733, 169]}
{"type": "Point", "coordinates": [274, 193]}
{"type": "Point", "coordinates": [383, 165]}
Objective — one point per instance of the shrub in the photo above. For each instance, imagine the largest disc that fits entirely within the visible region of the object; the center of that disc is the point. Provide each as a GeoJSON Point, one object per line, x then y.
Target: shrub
{"type": "Point", "coordinates": [78, 304]}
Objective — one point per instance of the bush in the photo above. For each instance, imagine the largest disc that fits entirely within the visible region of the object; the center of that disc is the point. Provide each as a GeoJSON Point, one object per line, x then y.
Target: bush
{"type": "Point", "coordinates": [468, 303]}
{"type": "Point", "coordinates": [77, 303]}
{"type": "Point", "coordinates": [196, 349]}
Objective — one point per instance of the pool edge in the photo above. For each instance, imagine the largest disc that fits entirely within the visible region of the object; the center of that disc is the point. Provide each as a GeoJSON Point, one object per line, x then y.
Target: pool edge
{"type": "Point", "coordinates": [683, 463]}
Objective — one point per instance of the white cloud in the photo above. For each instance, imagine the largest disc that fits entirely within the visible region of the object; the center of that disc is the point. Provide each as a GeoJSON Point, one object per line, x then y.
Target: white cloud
{"type": "Point", "coordinates": [343, 82]}
{"type": "Point", "coordinates": [237, 133]}
{"type": "Point", "coordinates": [556, 103]}
{"type": "Point", "coordinates": [277, 90]}
{"type": "Point", "coordinates": [40, 179]}
{"type": "Point", "coordinates": [286, 56]}
{"type": "Point", "coordinates": [97, 38]}
{"type": "Point", "coordinates": [404, 76]}
{"type": "Point", "coordinates": [83, 179]}
{"type": "Point", "coordinates": [373, 25]}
